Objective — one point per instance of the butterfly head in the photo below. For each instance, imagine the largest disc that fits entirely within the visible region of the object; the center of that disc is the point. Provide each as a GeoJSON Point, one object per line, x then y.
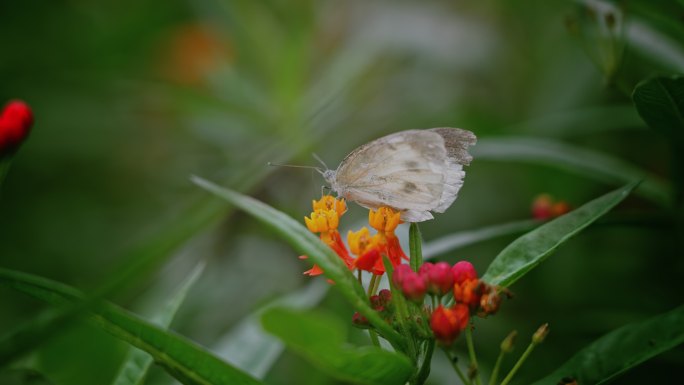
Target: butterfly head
{"type": "Point", "coordinates": [329, 176]}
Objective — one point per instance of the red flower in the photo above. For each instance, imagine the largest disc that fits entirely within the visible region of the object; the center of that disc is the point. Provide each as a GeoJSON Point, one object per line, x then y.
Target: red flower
{"type": "Point", "coordinates": [448, 323]}
{"type": "Point", "coordinates": [16, 120]}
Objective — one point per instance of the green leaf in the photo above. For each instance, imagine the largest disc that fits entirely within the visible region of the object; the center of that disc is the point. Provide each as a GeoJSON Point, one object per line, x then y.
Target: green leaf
{"type": "Point", "coordinates": [622, 349]}
{"type": "Point", "coordinates": [180, 357]}
{"type": "Point", "coordinates": [306, 243]}
{"type": "Point", "coordinates": [321, 340]}
{"type": "Point", "coordinates": [591, 164]}
{"type": "Point", "coordinates": [468, 237]}
{"type": "Point", "coordinates": [531, 249]}
{"type": "Point", "coordinates": [138, 362]}
{"type": "Point", "coordinates": [415, 245]}
{"type": "Point", "coordinates": [660, 103]}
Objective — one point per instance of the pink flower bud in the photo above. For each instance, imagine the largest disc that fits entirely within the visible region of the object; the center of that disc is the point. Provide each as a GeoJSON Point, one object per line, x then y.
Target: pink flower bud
{"type": "Point", "coordinates": [15, 123]}
{"type": "Point", "coordinates": [438, 277]}
{"type": "Point", "coordinates": [463, 271]}
{"type": "Point", "coordinates": [409, 282]}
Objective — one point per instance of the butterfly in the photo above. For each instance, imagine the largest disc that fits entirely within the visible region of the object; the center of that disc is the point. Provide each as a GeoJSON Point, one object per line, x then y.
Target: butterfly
{"type": "Point", "coordinates": [413, 171]}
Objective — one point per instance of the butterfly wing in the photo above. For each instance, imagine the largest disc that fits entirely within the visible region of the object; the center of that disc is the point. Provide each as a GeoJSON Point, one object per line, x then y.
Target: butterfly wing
{"type": "Point", "coordinates": [416, 171]}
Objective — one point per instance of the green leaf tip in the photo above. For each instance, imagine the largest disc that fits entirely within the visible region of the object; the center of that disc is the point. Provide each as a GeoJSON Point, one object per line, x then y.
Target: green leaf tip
{"type": "Point", "coordinates": [529, 250]}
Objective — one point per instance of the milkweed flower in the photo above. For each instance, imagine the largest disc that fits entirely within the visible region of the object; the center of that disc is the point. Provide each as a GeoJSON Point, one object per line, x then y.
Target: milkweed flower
{"type": "Point", "coordinates": [448, 323]}
{"type": "Point", "coordinates": [16, 120]}
{"type": "Point", "coordinates": [385, 220]}
{"type": "Point", "coordinates": [324, 220]}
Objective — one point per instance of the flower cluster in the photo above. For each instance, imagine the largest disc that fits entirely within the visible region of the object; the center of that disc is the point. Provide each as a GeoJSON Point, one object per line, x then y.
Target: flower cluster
{"type": "Point", "coordinates": [470, 295]}
{"type": "Point", "coordinates": [368, 249]}
{"type": "Point", "coordinates": [15, 124]}
{"type": "Point", "coordinates": [544, 207]}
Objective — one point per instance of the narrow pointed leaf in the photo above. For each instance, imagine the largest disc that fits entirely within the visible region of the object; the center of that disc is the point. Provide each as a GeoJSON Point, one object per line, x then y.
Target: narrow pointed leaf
{"type": "Point", "coordinates": [306, 243]}
{"type": "Point", "coordinates": [188, 362]}
{"type": "Point", "coordinates": [321, 340]}
{"type": "Point", "coordinates": [601, 167]}
{"type": "Point", "coordinates": [138, 362]}
{"type": "Point", "coordinates": [622, 349]}
{"type": "Point", "coordinates": [531, 249]}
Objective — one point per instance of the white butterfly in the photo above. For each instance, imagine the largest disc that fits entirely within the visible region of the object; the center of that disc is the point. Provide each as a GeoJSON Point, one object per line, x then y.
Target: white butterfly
{"type": "Point", "coordinates": [414, 171]}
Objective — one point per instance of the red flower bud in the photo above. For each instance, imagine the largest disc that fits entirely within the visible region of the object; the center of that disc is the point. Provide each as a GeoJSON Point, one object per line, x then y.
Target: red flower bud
{"type": "Point", "coordinates": [438, 277]}
{"type": "Point", "coordinates": [447, 323]}
{"type": "Point", "coordinates": [360, 321]}
{"type": "Point", "coordinates": [541, 207]}
{"type": "Point", "coordinates": [15, 124]}
{"type": "Point", "coordinates": [409, 282]}
{"type": "Point", "coordinates": [385, 296]}
{"type": "Point", "coordinates": [463, 271]}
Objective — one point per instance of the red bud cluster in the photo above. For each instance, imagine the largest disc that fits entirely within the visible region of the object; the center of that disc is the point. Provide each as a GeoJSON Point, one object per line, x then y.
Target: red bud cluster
{"type": "Point", "coordinates": [471, 295]}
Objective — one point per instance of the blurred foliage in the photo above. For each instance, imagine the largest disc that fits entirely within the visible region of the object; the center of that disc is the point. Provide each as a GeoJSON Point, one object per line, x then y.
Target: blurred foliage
{"type": "Point", "coordinates": [131, 98]}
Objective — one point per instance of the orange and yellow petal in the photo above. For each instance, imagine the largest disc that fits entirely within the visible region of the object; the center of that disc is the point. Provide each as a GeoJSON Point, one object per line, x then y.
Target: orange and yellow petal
{"type": "Point", "coordinates": [385, 219]}
{"type": "Point", "coordinates": [368, 261]}
{"type": "Point", "coordinates": [338, 247]}
{"type": "Point", "coordinates": [359, 241]}
{"type": "Point", "coordinates": [328, 202]}
{"type": "Point", "coordinates": [394, 251]}
{"type": "Point", "coordinates": [322, 221]}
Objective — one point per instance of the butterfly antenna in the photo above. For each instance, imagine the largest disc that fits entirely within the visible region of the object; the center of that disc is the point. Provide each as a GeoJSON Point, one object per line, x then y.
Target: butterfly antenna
{"type": "Point", "coordinates": [295, 166]}
{"type": "Point", "coordinates": [318, 158]}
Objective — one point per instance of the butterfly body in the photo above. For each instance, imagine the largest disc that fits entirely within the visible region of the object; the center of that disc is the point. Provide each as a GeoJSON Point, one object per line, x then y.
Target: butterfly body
{"type": "Point", "coordinates": [414, 171]}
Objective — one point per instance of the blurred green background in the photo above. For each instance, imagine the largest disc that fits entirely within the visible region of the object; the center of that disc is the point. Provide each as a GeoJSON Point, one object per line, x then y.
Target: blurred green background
{"type": "Point", "coordinates": [132, 97]}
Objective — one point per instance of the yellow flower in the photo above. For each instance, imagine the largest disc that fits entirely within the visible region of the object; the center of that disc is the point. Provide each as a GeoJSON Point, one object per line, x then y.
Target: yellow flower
{"type": "Point", "coordinates": [328, 202]}
{"type": "Point", "coordinates": [322, 221]}
{"type": "Point", "coordinates": [385, 219]}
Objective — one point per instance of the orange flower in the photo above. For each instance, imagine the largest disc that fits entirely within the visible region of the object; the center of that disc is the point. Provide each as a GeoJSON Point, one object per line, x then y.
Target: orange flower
{"type": "Point", "coordinates": [324, 220]}
{"type": "Point", "coordinates": [385, 220]}
{"type": "Point", "coordinates": [328, 202]}
{"type": "Point", "coordinates": [371, 249]}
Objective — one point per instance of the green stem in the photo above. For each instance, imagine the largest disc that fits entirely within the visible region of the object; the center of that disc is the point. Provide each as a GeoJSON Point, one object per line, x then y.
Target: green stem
{"type": "Point", "coordinates": [373, 285]}
{"type": "Point", "coordinates": [471, 354]}
{"type": "Point", "coordinates": [497, 366]}
{"type": "Point", "coordinates": [359, 276]}
{"type": "Point", "coordinates": [424, 370]}
{"type": "Point", "coordinates": [415, 247]}
{"type": "Point", "coordinates": [374, 337]}
{"type": "Point", "coordinates": [459, 372]}
{"type": "Point", "coordinates": [518, 364]}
